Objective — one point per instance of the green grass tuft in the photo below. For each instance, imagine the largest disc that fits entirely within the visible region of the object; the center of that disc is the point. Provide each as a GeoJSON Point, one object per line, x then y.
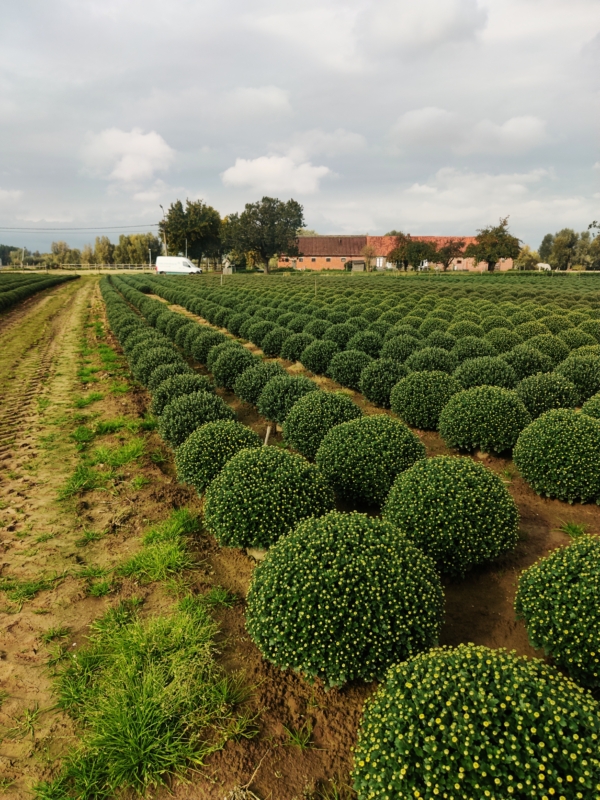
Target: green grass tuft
{"type": "Point", "coordinates": [84, 479]}
{"type": "Point", "coordinates": [92, 397]}
{"type": "Point", "coordinates": [119, 456]}
{"type": "Point", "coordinates": [574, 529]}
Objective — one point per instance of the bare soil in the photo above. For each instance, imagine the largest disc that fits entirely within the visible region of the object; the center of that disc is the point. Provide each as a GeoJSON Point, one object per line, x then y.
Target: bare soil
{"type": "Point", "coordinates": [39, 379]}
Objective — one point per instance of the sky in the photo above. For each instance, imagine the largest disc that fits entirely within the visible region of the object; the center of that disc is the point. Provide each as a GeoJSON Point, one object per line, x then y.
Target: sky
{"type": "Point", "coordinates": [432, 117]}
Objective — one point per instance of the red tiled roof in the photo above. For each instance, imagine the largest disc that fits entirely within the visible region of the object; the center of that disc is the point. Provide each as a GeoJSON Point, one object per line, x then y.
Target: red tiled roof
{"type": "Point", "coordinates": [385, 244]}
{"type": "Point", "coordinates": [331, 245]}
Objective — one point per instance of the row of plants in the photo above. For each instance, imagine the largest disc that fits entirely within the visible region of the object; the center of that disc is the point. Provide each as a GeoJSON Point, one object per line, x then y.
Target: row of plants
{"type": "Point", "coordinates": [370, 598]}
{"type": "Point", "coordinates": [14, 289]}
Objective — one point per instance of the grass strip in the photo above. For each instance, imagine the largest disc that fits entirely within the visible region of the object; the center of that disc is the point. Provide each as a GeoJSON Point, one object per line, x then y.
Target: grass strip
{"type": "Point", "coordinates": [149, 698]}
{"type": "Point", "coordinates": [165, 549]}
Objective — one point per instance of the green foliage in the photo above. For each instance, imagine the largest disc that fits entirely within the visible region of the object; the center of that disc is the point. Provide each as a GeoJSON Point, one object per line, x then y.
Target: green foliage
{"type": "Point", "coordinates": [575, 337]}
{"type": "Point", "coordinates": [166, 371]}
{"type": "Point", "coordinates": [119, 456]}
{"type": "Point", "coordinates": [440, 339]}
{"type": "Point", "coordinates": [503, 340]}
{"type": "Point", "coordinates": [92, 397]}
{"type": "Point", "coordinates": [592, 406]}
{"type": "Point", "coordinates": [313, 416]}
{"type": "Point", "coordinates": [343, 597]}
{"type": "Point", "coordinates": [154, 358]}
{"type": "Point", "coordinates": [367, 341]}
{"type": "Point", "coordinates": [465, 328]}
{"type": "Point", "coordinates": [559, 600]}
{"type": "Point", "coordinates": [584, 372]}
{"type": "Point", "coordinates": [294, 346]}
{"type": "Point", "coordinates": [361, 458]}
{"type": "Point", "coordinates": [340, 334]}
{"type": "Point", "coordinates": [148, 696]}
{"type": "Point", "coordinates": [177, 386]}
{"type": "Point", "coordinates": [419, 398]}
{"type": "Point", "coordinates": [526, 361]}
{"type": "Point", "coordinates": [249, 385]}
{"type": "Point", "coordinates": [484, 418]}
{"type": "Point", "coordinates": [261, 494]}
{"type": "Point", "coordinates": [472, 347]}
{"type": "Point", "coordinates": [217, 350]}
{"type": "Point", "coordinates": [83, 479]}
{"type": "Point", "coordinates": [230, 365]}
{"type": "Point", "coordinates": [279, 395]}
{"type": "Point", "coordinates": [204, 342]}
{"type": "Point", "coordinates": [546, 390]}
{"type": "Point", "coordinates": [273, 341]}
{"type": "Point", "coordinates": [165, 550]}
{"type": "Point", "coordinates": [431, 359]}
{"type": "Point", "coordinates": [186, 413]}
{"type": "Point", "coordinates": [550, 346]}
{"type": "Point", "coordinates": [379, 378]}
{"type": "Point", "coordinates": [470, 722]}
{"type": "Point", "coordinates": [559, 456]}
{"type": "Point", "coordinates": [399, 348]}
{"type": "Point", "coordinates": [485, 371]}
{"type": "Point", "coordinates": [317, 356]}
{"type": "Point", "coordinates": [454, 510]}
{"type": "Point", "coordinates": [206, 451]}
{"type": "Point", "coordinates": [346, 367]}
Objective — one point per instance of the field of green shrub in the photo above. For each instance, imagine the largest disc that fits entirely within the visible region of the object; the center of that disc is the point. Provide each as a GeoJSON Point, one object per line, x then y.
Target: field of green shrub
{"type": "Point", "coordinates": [17, 286]}
{"type": "Point", "coordinates": [506, 364]}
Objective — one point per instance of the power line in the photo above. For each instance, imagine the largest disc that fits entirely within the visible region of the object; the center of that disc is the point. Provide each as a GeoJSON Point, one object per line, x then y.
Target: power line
{"type": "Point", "coordinates": [113, 228]}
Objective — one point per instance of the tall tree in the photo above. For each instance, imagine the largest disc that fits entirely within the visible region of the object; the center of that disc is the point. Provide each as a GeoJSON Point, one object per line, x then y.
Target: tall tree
{"type": "Point", "coordinates": [447, 253]}
{"type": "Point", "coordinates": [528, 259]}
{"type": "Point", "coordinates": [268, 227]}
{"type": "Point", "coordinates": [546, 247]}
{"type": "Point", "coordinates": [5, 251]}
{"type": "Point", "coordinates": [492, 244]}
{"type": "Point", "coordinates": [137, 248]}
{"type": "Point", "coordinates": [564, 246]}
{"type": "Point", "coordinates": [103, 250]}
{"type": "Point", "coordinates": [368, 253]}
{"type": "Point", "coordinates": [198, 224]}
{"type": "Point", "coordinates": [399, 254]}
{"type": "Point", "coordinates": [417, 252]}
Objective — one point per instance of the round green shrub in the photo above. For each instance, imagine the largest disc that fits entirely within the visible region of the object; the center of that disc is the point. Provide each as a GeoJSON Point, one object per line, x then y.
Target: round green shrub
{"type": "Point", "coordinates": [471, 722]}
{"type": "Point", "coordinates": [485, 371]}
{"type": "Point", "coordinates": [317, 327]}
{"type": "Point", "coordinates": [346, 367]}
{"type": "Point", "coordinates": [559, 600]}
{"type": "Point", "coordinates": [502, 340]}
{"type": "Point", "coordinates": [217, 351]}
{"type": "Point", "coordinates": [183, 332]}
{"type": "Point", "coordinates": [399, 348]}
{"type": "Point", "coordinates": [559, 455]}
{"type": "Point", "coordinates": [294, 346]}
{"type": "Point", "coordinates": [380, 328]}
{"type": "Point", "coordinates": [184, 414]}
{"type": "Point", "coordinates": [550, 346]}
{"type": "Point", "coordinates": [484, 418]}
{"type": "Point", "coordinates": [556, 323]}
{"type": "Point", "coordinates": [252, 381]}
{"type": "Point", "coordinates": [203, 343]}
{"type": "Point", "coordinates": [313, 416]}
{"type": "Point", "coordinates": [419, 398]}
{"type": "Point", "coordinates": [526, 361]}
{"type": "Point", "coordinates": [584, 372]}
{"type": "Point", "coordinates": [261, 494]}
{"type": "Point", "coordinates": [379, 378]}
{"type": "Point", "coordinates": [317, 356]}
{"type": "Point", "coordinates": [166, 371]}
{"type": "Point", "coordinates": [431, 359]}
{"type": "Point", "coordinates": [575, 337]}
{"type": "Point", "coordinates": [235, 322]}
{"type": "Point", "coordinates": [465, 328]}
{"type": "Point", "coordinates": [361, 459]}
{"type": "Point", "coordinates": [431, 324]}
{"type": "Point", "coordinates": [472, 347]}
{"type": "Point", "coordinates": [342, 597]}
{"type": "Point", "coordinates": [340, 334]}
{"type": "Point", "coordinates": [231, 364]}
{"type": "Point", "coordinates": [177, 386]}
{"type": "Point", "coordinates": [206, 451]}
{"type": "Point", "coordinates": [279, 395]}
{"type": "Point", "coordinates": [259, 330]}
{"type": "Point", "coordinates": [401, 329]}
{"type": "Point", "coordinates": [441, 339]}
{"type": "Point", "coordinates": [273, 341]}
{"type": "Point", "coordinates": [245, 327]}
{"type": "Point", "coordinates": [367, 341]}
{"type": "Point", "coordinates": [546, 390]}
{"type": "Point", "coordinates": [454, 510]}
{"type": "Point", "coordinates": [298, 322]}
{"type": "Point", "coordinates": [527, 330]}
{"type": "Point", "coordinates": [496, 323]}
{"type": "Point", "coordinates": [591, 327]}
{"type": "Point", "coordinates": [155, 357]}
{"type": "Point", "coordinates": [592, 406]}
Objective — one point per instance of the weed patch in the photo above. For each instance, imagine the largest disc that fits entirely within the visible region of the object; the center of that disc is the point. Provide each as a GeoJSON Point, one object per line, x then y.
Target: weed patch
{"type": "Point", "coordinates": [19, 592]}
{"type": "Point", "coordinates": [149, 698]}
{"type": "Point", "coordinates": [92, 397]}
{"type": "Point", "coordinates": [84, 479]}
{"type": "Point", "coordinates": [119, 456]}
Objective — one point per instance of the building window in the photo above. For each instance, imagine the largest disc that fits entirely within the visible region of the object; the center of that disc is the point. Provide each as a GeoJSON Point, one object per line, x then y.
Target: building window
{"type": "Point", "coordinates": [327, 259]}
{"type": "Point", "coordinates": [313, 259]}
{"type": "Point", "coordinates": [342, 258]}
{"type": "Point", "coordinates": [300, 259]}
{"type": "Point", "coordinates": [459, 260]}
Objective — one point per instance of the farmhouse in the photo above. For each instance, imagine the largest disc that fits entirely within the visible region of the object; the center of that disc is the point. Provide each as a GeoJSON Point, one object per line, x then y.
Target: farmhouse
{"type": "Point", "coordinates": [348, 252]}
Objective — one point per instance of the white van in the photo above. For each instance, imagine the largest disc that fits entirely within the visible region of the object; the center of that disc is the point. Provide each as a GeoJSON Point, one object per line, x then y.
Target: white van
{"type": "Point", "coordinates": [175, 265]}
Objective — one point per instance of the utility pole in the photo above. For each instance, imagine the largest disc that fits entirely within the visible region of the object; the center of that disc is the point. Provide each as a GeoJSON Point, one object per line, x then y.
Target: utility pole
{"type": "Point", "coordinates": [22, 257]}
{"type": "Point", "coordinates": [150, 257]}
{"type": "Point", "coordinates": [186, 246]}
{"type": "Point", "coordinates": [164, 230]}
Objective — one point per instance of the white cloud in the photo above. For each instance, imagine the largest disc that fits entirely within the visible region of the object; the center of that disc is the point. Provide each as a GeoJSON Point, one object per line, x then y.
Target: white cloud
{"type": "Point", "coordinates": [275, 174]}
{"type": "Point", "coordinates": [126, 156]}
{"type": "Point", "coordinates": [407, 25]}
{"type": "Point", "coordinates": [318, 142]}
{"type": "Point", "coordinates": [8, 196]}
{"type": "Point", "coordinates": [248, 101]}
{"type": "Point", "coordinates": [435, 127]}
{"type": "Point", "coordinates": [596, 165]}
